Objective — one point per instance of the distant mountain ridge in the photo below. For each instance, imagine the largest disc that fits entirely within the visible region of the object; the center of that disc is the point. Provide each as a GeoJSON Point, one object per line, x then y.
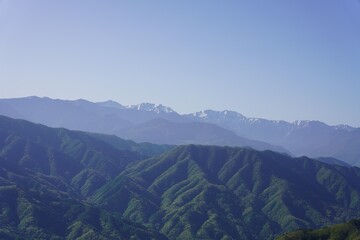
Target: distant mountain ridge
{"type": "Point", "coordinates": [258, 128]}
{"type": "Point", "coordinates": [211, 115]}
{"type": "Point", "coordinates": [135, 122]}
{"type": "Point", "coordinates": [150, 107]}
{"type": "Point", "coordinates": [310, 138]}
{"type": "Point", "coordinates": [161, 131]}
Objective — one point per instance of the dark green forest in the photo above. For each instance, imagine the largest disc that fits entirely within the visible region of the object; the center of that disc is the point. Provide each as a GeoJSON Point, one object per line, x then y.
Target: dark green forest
{"type": "Point", "coordinates": [345, 231]}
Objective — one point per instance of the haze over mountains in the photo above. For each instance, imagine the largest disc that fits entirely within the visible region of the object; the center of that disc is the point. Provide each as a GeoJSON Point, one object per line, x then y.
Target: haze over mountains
{"type": "Point", "coordinates": [162, 125]}
{"type": "Point", "coordinates": [310, 138]}
{"type": "Point", "coordinates": [62, 184]}
{"type": "Point", "coordinates": [144, 122]}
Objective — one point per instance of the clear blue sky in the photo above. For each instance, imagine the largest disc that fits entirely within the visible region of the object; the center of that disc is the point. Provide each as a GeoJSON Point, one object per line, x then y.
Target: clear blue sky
{"type": "Point", "coordinates": [275, 59]}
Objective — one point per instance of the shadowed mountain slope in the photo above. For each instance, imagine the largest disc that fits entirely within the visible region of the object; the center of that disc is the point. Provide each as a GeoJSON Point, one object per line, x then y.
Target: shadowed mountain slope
{"type": "Point", "coordinates": [344, 231]}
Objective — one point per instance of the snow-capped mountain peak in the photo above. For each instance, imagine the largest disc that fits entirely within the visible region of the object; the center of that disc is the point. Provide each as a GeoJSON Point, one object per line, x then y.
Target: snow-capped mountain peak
{"type": "Point", "coordinates": [344, 127]}
{"type": "Point", "coordinates": [201, 114]}
{"type": "Point", "coordinates": [151, 107]}
{"type": "Point", "coordinates": [301, 123]}
{"type": "Point", "coordinates": [211, 114]}
{"type": "Point", "coordinates": [309, 123]}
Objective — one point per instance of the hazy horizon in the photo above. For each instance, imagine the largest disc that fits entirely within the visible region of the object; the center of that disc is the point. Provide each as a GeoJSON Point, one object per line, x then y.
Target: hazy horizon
{"type": "Point", "coordinates": [281, 60]}
{"type": "Point", "coordinates": [181, 113]}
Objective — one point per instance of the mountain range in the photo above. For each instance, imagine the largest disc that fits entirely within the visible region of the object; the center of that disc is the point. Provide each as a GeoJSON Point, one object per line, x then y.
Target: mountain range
{"type": "Point", "coordinates": [46, 176]}
{"type": "Point", "coordinates": [162, 125]}
{"type": "Point", "coordinates": [310, 138]}
{"type": "Point", "coordinates": [144, 122]}
{"type": "Point", "coordinates": [61, 184]}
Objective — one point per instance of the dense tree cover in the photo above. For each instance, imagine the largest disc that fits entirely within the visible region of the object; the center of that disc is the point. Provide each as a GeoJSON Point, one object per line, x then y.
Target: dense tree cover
{"type": "Point", "coordinates": [345, 231]}
{"type": "Point", "coordinates": [46, 176]}
{"type": "Point", "coordinates": [210, 192]}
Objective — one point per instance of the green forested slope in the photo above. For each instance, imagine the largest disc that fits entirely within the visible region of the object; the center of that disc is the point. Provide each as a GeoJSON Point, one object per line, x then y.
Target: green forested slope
{"type": "Point", "coordinates": [344, 231]}
{"type": "Point", "coordinates": [220, 192]}
{"type": "Point", "coordinates": [37, 206]}
{"type": "Point", "coordinates": [58, 184]}
{"type": "Point", "coordinates": [46, 176]}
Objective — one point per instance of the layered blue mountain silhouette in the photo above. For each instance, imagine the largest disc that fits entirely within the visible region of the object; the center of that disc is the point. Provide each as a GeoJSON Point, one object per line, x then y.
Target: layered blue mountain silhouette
{"type": "Point", "coordinates": [162, 125]}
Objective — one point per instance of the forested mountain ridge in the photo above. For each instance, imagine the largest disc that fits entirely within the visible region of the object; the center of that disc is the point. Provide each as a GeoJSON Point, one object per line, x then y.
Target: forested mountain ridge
{"type": "Point", "coordinates": [46, 176]}
{"type": "Point", "coordinates": [108, 188]}
{"type": "Point", "coordinates": [210, 192]}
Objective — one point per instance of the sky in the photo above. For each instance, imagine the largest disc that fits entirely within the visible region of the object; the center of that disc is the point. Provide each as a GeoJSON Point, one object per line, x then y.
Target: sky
{"type": "Point", "coordinates": [279, 59]}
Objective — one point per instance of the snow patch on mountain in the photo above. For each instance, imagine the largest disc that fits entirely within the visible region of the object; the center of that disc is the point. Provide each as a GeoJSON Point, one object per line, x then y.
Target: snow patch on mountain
{"type": "Point", "coordinates": [344, 127]}
{"type": "Point", "coordinates": [218, 115]}
{"type": "Point", "coordinates": [201, 114]}
{"type": "Point", "coordinates": [309, 123]}
{"type": "Point", "coordinates": [151, 107]}
{"type": "Point", "coordinates": [301, 123]}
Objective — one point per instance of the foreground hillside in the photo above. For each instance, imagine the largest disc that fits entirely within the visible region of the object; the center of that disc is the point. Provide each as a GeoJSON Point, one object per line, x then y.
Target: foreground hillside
{"type": "Point", "coordinates": [45, 177]}
{"type": "Point", "coordinates": [345, 231]}
{"type": "Point", "coordinates": [38, 206]}
{"type": "Point", "coordinates": [206, 192]}
{"type": "Point", "coordinates": [61, 184]}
